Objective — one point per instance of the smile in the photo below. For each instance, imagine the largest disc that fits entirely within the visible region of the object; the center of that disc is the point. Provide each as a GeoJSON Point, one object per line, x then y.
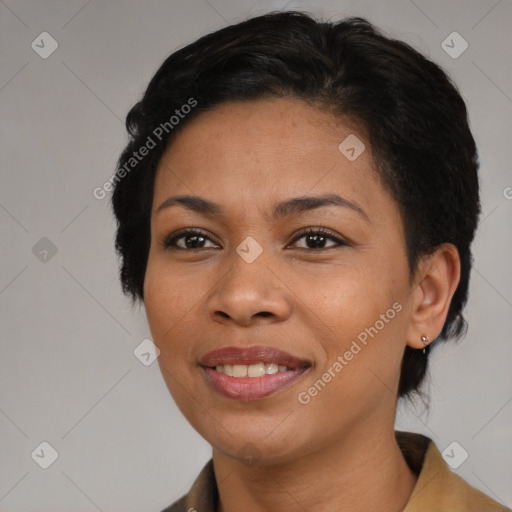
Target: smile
{"type": "Point", "coordinates": [251, 374]}
{"type": "Point", "coordinates": [251, 371]}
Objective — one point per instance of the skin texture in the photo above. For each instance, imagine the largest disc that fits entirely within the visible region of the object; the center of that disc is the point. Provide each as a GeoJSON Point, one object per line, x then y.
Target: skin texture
{"type": "Point", "coordinates": [337, 452]}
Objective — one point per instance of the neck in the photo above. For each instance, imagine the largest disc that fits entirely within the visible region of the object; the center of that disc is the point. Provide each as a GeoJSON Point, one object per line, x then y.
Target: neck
{"type": "Point", "coordinates": [361, 472]}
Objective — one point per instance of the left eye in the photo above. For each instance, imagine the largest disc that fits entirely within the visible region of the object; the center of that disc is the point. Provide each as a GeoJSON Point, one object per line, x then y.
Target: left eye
{"type": "Point", "coordinates": [318, 238]}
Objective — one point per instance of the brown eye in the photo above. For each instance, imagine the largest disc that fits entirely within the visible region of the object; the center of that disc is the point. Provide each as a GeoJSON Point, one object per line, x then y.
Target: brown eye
{"type": "Point", "coordinates": [318, 239]}
{"type": "Point", "coordinates": [188, 240]}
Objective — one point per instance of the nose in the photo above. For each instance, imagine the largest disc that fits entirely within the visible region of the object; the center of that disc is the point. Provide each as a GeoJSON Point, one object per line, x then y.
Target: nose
{"type": "Point", "coordinates": [250, 293]}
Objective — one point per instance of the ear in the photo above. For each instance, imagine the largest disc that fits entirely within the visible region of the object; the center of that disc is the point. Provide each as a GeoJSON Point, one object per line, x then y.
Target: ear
{"type": "Point", "coordinates": [435, 282]}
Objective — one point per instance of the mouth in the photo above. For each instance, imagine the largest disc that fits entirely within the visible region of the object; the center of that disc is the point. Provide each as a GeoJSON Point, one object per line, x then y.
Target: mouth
{"type": "Point", "coordinates": [253, 373]}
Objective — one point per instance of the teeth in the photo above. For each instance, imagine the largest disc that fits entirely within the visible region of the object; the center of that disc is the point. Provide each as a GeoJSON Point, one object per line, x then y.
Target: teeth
{"type": "Point", "coordinates": [271, 368]}
{"type": "Point", "coordinates": [256, 370]}
{"type": "Point", "coordinates": [239, 370]}
{"type": "Point", "coordinates": [252, 370]}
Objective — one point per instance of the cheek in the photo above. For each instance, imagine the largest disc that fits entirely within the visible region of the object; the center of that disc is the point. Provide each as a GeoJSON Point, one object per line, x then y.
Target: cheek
{"type": "Point", "coordinates": [366, 319]}
{"type": "Point", "coordinates": [169, 311]}
{"type": "Point", "coordinates": [167, 294]}
{"type": "Point", "coordinates": [168, 305]}
{"type": "Point", "coordinates": [159, 310]}
{"type": "Point", "coordinates": [348, 302]}
{"type": "Point", "coordinates": [174, 304]}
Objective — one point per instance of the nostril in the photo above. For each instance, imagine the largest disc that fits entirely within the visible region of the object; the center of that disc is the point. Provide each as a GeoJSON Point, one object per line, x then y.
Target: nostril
{"type": "Point", "coordinates": [265, 313]}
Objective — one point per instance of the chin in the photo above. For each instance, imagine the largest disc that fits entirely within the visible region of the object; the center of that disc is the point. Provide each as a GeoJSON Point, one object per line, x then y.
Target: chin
{"type": "Point", "coordinates": [270, 440]}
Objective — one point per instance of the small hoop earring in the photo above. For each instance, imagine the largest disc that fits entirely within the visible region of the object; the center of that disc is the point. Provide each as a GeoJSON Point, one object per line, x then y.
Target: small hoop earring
{"type": "Point", "coordinates": [424, 340]}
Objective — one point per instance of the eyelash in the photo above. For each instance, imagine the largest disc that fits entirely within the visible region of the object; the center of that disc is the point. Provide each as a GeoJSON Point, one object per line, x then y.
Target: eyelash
{"type": "Point", "coordinates": [169, 243]}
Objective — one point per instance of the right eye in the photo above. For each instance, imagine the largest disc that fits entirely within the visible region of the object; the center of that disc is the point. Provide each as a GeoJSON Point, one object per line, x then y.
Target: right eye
{"type": "Point", "coordinates": [187, 239]}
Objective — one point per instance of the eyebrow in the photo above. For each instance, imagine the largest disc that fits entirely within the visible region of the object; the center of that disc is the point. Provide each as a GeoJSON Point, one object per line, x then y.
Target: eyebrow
{"type": "Point", "coordinates": [281, 210]}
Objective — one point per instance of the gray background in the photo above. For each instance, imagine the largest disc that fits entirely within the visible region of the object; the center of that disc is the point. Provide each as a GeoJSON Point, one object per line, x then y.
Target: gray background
{"type": "Point", "coordinates": [68, 373]}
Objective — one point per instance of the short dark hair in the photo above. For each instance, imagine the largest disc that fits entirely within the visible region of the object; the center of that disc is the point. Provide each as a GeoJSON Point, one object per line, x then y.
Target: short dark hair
{"type": "Point", "coordinates": [415, 119]}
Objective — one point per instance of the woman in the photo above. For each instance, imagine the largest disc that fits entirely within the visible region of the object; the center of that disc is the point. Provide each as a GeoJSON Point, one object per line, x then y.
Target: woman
{"type": "Point", "coordinates": [295, 209]}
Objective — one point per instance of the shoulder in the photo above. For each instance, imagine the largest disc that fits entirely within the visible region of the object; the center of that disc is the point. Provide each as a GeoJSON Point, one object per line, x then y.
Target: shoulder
{"type": "Point", "coordinates": [437, 487]}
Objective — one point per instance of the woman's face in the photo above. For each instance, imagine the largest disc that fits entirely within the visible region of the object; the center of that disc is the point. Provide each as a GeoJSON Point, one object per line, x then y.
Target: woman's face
{"type": "Point", "coordinates": [257, 279]}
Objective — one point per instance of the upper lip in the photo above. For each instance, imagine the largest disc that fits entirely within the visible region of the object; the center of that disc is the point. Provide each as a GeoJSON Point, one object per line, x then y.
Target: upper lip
{"type": "Point", "coordinates": [251, 355]}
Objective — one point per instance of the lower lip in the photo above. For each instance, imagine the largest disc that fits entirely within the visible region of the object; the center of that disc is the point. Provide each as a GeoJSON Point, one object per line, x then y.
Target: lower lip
{"type": "Point", "coordinates": [251, 388]}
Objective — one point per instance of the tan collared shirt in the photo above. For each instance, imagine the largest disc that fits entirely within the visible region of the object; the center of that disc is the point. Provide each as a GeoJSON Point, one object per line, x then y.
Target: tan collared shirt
{"type": "Point", "coordinates": [437, 489]}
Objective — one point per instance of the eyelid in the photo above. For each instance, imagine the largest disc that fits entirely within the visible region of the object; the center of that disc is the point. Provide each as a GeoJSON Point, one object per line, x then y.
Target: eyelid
{"type": "Point", "coordinates": [168, 241]}
{"type": "Point", "coordinates": [327, 233]}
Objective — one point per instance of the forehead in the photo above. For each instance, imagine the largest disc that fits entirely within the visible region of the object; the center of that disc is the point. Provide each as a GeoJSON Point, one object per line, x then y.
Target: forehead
{"type": "Point", "coordinates": [249, 153]}
{"type": "Point", "coordinates": [263, 127]}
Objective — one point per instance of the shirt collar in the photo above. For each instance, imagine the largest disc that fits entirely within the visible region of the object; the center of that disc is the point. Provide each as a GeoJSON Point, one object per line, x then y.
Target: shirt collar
{"type": "Point", "coordinates": [437, 488]}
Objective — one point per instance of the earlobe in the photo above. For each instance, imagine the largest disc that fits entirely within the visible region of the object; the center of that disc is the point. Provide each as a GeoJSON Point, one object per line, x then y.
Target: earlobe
{"type": "Point", "coordinates": [437, 278]}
